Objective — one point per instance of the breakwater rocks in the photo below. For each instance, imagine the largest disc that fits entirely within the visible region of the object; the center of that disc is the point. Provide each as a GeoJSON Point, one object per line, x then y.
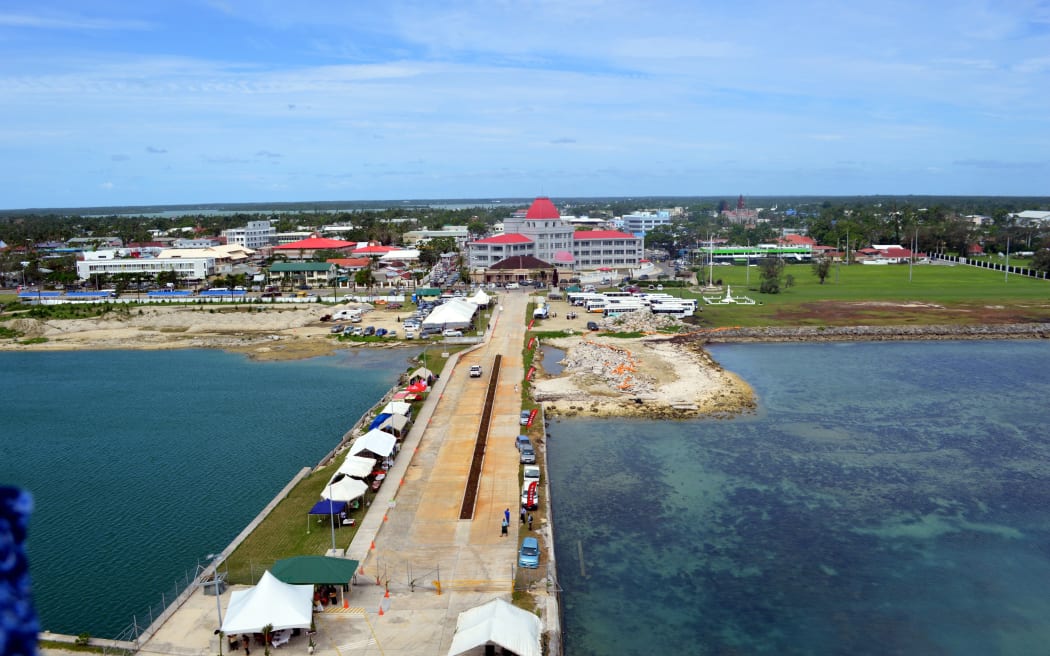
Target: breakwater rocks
{"type": "Point", "coordinates": [871, 333]}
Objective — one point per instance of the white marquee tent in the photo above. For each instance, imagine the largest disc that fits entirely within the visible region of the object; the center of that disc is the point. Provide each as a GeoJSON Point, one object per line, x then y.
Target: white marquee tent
{"type": "Point", "coordinates": [357, 466]}
{"type": "Point", "coordinates": [396, 408]}
{"type": "Point", "coordinates": [283, 605]}
{"type": "Point", "coordinates": [481, 299]}
{"type": "Point", "coordinates": [374, 441]}
{"type": "Point", "coordinates": [345, 489]}
{"type": "Point", "coordinates": [499, 623]}
{"type": "Point", "coordinates": [455, 314]}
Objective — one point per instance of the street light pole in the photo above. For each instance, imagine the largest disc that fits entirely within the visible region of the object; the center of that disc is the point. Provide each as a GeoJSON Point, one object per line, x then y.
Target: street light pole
{"type": "Point", "coordinates": [331, 513]}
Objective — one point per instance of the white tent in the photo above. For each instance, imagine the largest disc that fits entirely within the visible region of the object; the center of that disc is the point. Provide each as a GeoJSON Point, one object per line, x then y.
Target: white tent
{"type": "Point", "coordinates": [357, 466]}
{"type": "Point", "coordinates": [396, 408]}
{"type": "Point", "coordinates": [345, 489]}
{"type": "Point", "coordinates": [480, 299]}
{"type": "Point", "coordinates": [283, 605]}
{"type": "Point", "coordinates": [374, 441]}
{"type": "Point", "coordinates": [455, 314]}
{"type": "Point", "coordinates": [500, 623]}
{"type": "Point", "coordinates": [395, 425]}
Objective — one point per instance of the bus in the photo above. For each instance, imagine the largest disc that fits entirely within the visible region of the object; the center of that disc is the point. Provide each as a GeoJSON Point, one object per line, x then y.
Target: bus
{"type": "Point", "coordinates": [678, 311]}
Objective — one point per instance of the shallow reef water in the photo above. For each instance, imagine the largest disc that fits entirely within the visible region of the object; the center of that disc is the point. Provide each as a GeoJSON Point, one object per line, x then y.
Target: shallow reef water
{"type": "Point", "coordinates": [884, 498]}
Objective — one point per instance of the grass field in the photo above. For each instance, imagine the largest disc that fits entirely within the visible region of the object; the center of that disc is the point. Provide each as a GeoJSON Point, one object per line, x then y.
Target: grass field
{"type": "Point", "coordinates": [883, 295]}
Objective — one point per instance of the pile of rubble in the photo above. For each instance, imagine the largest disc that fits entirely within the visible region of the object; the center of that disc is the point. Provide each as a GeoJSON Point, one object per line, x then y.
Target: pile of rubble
{"type": "Point", "coordinates": [607, 366]}
{"type": "Point", "coordinates": [639, 321]}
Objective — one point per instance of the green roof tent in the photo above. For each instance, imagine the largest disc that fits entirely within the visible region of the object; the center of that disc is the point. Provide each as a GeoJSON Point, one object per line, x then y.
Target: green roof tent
{"type": "Point", "coordinates": [428, 291]}
{"type": "Point", "coordinates": [319, 570]}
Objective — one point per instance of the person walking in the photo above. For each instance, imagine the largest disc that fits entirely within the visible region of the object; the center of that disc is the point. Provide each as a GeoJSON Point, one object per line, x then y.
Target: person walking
{"type": "Point", "coordinates": [503, 528]}
{"type": "Point", "coordinates": [530, 521]}
{"type": "Point", "coordinates": [506, 515]}
{"type": "Point", "coordinates": [523, 514]}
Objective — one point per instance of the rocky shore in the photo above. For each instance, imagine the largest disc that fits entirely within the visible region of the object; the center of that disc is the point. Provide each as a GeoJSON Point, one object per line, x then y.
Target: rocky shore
{"type": "Point", "coordinates": [872, 333]}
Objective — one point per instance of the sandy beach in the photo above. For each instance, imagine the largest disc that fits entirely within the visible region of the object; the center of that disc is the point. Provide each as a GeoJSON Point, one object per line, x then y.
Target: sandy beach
{"type": "Point", "coordinates": [262, 332]}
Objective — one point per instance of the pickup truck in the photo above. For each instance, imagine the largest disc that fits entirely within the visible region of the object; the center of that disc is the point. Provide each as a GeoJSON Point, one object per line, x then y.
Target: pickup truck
{"type": "Point", "coordinates": [475, 371]}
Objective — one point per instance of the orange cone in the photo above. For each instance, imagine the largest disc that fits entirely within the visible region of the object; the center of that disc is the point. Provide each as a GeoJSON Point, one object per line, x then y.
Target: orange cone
{"type": "Point", "coordinates": [380, 610]}
{"type": "Point", "coordinates": [346, 603]}
{"type": "Point", "coordinates": [384, 518]}
{"type": "Point", "coordinates": [373, 547]}
{"type": "Point", "coordinates": [387, 595]}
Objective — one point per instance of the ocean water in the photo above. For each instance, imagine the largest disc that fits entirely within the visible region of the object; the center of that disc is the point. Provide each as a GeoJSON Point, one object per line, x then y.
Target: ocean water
{"type": "Point", "coordinates": [144, 463]}
{"type": "Point", "coordinates": [885, 498]}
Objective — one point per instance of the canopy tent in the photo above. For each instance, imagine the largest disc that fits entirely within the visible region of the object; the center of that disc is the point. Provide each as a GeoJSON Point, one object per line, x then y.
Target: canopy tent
{"type": "Point", "coordinates": [481, 299]}
{"type": "Point", "coordinates": [405, 395]}
{"type": "Point", "coordinates": [345, 489]}
{"type": "Point", "coordinates": [327, 507]}
{"type": "Point", "coordinates": [417, 387]}
{"type": "Point", "coordinates": [316, 570]}
{"type": "Point", "coordinates": [357, 466]}
{"type": "Point", "coordinates": [380, 418]}
{"type": "Point", "coordinates": [499, 623]}
{"type": "Point", "coordinates": [397, 408]}
{"type": "Point", "coordinates": [453, 315]}
{"type": "Point", "coordinates": [272, 601]}
{"type": "Point", "coordinates": [396, 425]}
{"type": "Point", "coordinates": [374, 441]}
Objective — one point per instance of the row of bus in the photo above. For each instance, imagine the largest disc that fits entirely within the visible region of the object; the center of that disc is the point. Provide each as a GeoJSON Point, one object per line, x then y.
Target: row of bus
{"type": "Point", "coordinates": [611, 304]}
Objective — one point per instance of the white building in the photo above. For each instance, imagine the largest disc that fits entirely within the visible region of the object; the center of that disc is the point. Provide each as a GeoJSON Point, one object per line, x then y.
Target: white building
{"type": "Point", "coordinates": [638, 222]}
{"type": "Point", "coordinates": [256, 235]}
{"type": "Point", "coordinates": [419, 237]}
{"type": "Point", "coordinates": [110, 262]}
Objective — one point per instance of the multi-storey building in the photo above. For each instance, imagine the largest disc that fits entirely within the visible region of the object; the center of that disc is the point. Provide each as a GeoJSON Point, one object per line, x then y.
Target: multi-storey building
{"type": "Point", "coordinates": [256, 235]}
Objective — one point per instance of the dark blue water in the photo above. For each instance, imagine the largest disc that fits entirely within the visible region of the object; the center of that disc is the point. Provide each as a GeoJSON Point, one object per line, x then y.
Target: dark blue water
{"type": "Point", "coordinates": [144, 463]}
{"type": "Point", "coordinates": [886, 498]}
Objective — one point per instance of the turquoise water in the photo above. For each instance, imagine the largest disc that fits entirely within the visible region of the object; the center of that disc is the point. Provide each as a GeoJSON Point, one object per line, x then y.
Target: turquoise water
{"type": "Point", "coordinates": [886, 498]}
{"type": "Point", "coordinates": [143, 464]}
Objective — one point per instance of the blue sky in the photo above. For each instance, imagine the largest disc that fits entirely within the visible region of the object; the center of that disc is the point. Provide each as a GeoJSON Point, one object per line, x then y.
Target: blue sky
{"type": "Point", "coordinates": [121, 103]}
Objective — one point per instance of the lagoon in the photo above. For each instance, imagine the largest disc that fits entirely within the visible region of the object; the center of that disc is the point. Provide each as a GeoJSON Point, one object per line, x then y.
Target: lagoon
{"type": "Point", "coordinates": [143, 464]}
{"type": "Point", "coordinates": [884, 498]}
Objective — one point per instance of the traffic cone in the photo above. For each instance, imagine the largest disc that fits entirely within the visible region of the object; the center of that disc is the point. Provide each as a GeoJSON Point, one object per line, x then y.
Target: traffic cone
{"type": "Point", "coordinates": [373, 547]}
{"type": "Point", "coordinates": [346, 603]}
{"type": "Point", "coordinates": [387, 595]}
{"type": "Point", "coordinates": [380, 610]}
{"type": "Point", "coordinates": [384, 518]}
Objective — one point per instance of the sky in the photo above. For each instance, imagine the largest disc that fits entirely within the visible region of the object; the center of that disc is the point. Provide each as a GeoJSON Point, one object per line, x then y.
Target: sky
{"type": "Point", "coordinates": [112, 102]}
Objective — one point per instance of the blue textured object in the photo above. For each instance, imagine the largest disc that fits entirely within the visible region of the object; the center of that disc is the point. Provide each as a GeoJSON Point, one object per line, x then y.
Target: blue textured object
{"type": "Point", "coordinates": [18, 623]}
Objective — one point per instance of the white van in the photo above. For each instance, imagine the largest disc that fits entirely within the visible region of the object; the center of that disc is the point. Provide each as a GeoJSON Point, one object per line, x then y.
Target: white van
{"type": "Point", "coordinates": [346, 314]}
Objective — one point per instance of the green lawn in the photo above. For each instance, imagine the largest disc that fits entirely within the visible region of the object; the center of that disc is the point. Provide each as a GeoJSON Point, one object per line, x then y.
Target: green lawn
{"type": "Point", "coordinates": [284, 531]}
{"type": "Point", "coordinates": [853, 294]}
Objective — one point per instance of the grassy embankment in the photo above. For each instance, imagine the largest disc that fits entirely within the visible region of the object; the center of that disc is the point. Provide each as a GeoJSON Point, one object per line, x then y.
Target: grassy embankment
{"type": "Point", "coordinates": [288, 531]}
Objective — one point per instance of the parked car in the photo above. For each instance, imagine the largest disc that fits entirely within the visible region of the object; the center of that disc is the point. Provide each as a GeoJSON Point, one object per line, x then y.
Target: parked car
{"type": "Point", "coordinates": [528, 456]}
{"type": "Point", "coordinates": [529, 555]}
{"type": "Point", "coordinates": [522, 440]}
{"type": "Point", "coordinates": [410, 334]}
{"type": "Point", "coordinates": [475, 371]}
{"type": "Point", "coordinates": [391, 333]}
{"type": "Point", "coordinates": [369, 331]}
{"type": "Point", "coordinates": [592, 325]}
{"type": "Point", "coordinates": [357, 331]}
{"type": "Point", "coordinates": [525, 415]}
{"type": "Point", "coordinates": [336, 329]}
{"type": "Point", "coordinates": [380, 332]}
{"type": "Point", "coordinates": [452, 333]}
{"type": "Point", "coordinates": [348, 330]}
{"type": "Point", "coordinates": [512, 285]}
{"type": "Point", "coordinates": [531, 473]}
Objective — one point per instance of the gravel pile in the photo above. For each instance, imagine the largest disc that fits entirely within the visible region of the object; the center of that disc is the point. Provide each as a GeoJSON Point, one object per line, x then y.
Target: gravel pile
{"type": "Point", "coordinates": [639, 321]}
{"type": "Point", "coordinates": [608, 366]}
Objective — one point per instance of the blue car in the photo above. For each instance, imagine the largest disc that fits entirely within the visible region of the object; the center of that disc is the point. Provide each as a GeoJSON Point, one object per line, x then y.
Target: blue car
{"type": "Point", "coordinates": [529, 556]}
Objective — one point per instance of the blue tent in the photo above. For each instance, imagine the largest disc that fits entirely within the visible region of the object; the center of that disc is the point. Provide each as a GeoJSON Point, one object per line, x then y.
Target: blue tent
{"type": "Point", "coordinates": [378, 421]}
{"type": "Point", "coordinates": [327, 507]}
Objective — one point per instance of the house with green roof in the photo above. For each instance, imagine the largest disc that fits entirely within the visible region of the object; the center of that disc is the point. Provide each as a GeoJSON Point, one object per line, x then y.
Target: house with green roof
{"type": "Point", "coordinates": [303, 273]}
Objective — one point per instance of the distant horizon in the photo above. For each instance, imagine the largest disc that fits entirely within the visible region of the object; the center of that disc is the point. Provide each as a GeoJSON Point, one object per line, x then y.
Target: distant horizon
{"type": "Point", "coordinates": [386, 203]}
{"type": "Point", "coordinates": [142, 104]}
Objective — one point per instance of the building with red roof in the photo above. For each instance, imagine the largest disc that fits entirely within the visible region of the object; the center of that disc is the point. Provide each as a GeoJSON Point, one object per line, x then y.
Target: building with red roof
{"type": "Point", "coordinates": [304, 249]}
{"type": "Point", "coordinates": [540, 232]}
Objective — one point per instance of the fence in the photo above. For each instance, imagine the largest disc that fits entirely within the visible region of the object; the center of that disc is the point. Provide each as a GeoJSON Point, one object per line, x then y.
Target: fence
{"type": "Point", "coordinates": [995, 266]}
